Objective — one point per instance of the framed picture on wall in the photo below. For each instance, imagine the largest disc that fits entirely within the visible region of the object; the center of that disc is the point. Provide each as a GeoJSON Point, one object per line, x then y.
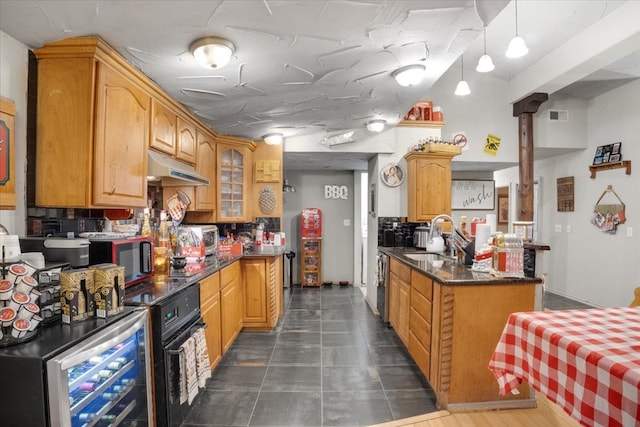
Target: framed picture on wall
{"type": "Point", "coordinates": [503, 210]}
{"type": "Point", "coordinates": [392, 175]}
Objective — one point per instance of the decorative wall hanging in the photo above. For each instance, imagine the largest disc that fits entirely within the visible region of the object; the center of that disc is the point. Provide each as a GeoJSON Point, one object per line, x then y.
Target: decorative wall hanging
{"type": "Point", "coordinates": [610, 153]}
{"type": "Point", "coordinates": [267, 200]}
{"type": "Point", "coordinates": [565, 191]}
{"type": "Point", "coordinates": [474, 195]}
{"type": "Point", "coordinates": [492, 144]}
{"type": "Point", "coordinates": [607, 216]}
{"type": "Point", "coordinates": [267, 171]}
{"type": "Point", "coordinates": [392, 174]}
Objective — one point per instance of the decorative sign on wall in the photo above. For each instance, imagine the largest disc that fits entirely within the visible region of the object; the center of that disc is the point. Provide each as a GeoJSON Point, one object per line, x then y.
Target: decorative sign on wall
{"type": "Point", "coordinates": [336, 192]}
{"type": "Point", "coordinates": [565, 190]}
{"type": "Point", "coordinates": [473, 195]}
{"type": "Point", "coordinates": [492, 144]}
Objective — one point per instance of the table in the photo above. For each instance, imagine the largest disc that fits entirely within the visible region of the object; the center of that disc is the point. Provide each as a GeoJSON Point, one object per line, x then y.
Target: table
{"type": "Point", "coordinates": [586, 361]}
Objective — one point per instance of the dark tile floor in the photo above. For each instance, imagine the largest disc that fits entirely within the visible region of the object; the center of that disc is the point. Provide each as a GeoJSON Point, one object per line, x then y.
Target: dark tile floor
{"type": "Point", "coordinates": [329, 362]}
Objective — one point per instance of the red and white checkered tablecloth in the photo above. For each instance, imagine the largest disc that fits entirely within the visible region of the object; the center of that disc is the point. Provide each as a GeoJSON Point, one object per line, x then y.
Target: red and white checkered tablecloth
{"type": "Point", "coordinates": [587, 361]}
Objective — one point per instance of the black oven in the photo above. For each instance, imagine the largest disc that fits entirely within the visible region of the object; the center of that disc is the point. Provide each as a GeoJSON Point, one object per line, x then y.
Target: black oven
{"type": "Point", "coordinates": [173, 320]}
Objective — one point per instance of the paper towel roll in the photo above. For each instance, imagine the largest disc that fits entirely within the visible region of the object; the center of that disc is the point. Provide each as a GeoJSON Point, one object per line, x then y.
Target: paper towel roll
{"type": "Point", "coordinates": [493, 222]}
{"type": "Point", "coordinates": [483, 233]}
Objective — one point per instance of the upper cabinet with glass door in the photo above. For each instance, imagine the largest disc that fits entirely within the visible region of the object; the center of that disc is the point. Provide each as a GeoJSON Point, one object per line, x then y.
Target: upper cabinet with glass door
{"type": "Point", "coordinates": [234, 178]}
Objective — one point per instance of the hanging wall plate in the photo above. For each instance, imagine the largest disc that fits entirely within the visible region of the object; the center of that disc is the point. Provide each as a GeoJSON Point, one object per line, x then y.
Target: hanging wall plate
{"type": "Point", "coordinates": [392, 175]}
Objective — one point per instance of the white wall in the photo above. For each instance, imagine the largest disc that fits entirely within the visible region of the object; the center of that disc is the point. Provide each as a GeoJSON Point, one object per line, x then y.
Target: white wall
{"type": "Point", "coordinates": [337, 239]}
{"type": "Point", "coordinates": [585, 263]}
{"type": "Point", "coordinates": [14, 65]}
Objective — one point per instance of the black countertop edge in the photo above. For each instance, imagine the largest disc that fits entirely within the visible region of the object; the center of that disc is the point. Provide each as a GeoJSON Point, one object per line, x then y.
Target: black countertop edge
{"type": "Point", "coordinates": [451, 273]}
{"type": "Point", "coordinates": [158, 288]}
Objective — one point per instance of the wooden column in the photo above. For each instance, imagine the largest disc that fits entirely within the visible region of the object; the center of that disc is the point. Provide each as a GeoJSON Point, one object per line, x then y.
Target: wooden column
{"type": "Point", "coordinates": [524, 110]}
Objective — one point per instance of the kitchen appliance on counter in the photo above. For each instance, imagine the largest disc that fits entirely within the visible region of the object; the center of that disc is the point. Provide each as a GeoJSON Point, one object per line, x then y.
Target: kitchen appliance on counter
{"type": "Point", "coordinates": [197, 235]}
{"type": "Point", "coordinates": [59, 249]}
{"type": "Point", "coordinates": [421, 237]}
{"type": "Point", "coordinates": [93, 373]}
{"type": "Point", "coordinates": [174, 320]}
{"type": "Point", "coordinates": [135, 254]}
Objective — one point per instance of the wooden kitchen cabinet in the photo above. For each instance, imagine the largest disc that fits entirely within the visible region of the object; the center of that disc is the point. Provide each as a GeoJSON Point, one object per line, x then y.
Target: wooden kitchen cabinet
{"type": "Point", "coordinates": [399, 298]}
{"type": "Point", "coordinates": [210, 309]}
{"type": "Point", "coordinates": [420, 321]}
{"type": "Point", "coordinates": [428, 184]}
{"type": "Point", "coordinates": [186, 141]}
{"type": "Point", "coordinates": [234, 169]}
{"type": "Point", "coordinates": [8, 198]}
{"type": "Point", "coordinates": [230, 304]}
{"type": "Point", "coordinates": [163, 129]}
{"type": "Point", "coordinates": [311, 262]}
{"type": "Point", "coordinates": [92, 128]}
{"type": "Point", "coordinates": [262, 300]}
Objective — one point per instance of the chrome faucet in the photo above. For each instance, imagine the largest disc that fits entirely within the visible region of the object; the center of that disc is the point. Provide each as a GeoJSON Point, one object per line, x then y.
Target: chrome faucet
{"type": "Point", "coordinates": [434, 221]}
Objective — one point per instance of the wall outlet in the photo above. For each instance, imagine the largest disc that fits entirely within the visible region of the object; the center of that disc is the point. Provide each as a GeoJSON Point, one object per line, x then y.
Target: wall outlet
{"type": "Point", "coordinates": [558, 228]}
{"type": "Point", "coordinates": [347, 222]}
{"type": "Point", "coordinates": [629, 231]}
{"type": "Point", "coordinates": [568, 229]}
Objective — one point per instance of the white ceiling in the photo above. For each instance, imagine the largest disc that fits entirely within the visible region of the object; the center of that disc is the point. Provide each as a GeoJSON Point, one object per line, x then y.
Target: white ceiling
{"type": "Point", "coordinates": [308, 66]}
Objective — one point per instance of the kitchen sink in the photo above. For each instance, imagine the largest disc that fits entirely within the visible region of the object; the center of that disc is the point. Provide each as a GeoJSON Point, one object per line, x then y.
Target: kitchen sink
{"type": "Point", "coordinates": [427, 256]}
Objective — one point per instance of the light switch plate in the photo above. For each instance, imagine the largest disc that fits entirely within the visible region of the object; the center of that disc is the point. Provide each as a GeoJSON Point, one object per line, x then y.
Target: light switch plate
{"type": "Point", "coordinates": [568, 228]}
{"type": "Point", "coordinates": [558, 228]}
{"type": "Point", "coordinates": [347, 222]}
{"type": "Point", "coordinates": [629, 231]}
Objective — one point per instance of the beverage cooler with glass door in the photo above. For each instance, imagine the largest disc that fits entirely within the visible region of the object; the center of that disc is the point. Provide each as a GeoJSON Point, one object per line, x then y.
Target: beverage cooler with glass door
{"type": "Point", "coordinates": [92, 373]}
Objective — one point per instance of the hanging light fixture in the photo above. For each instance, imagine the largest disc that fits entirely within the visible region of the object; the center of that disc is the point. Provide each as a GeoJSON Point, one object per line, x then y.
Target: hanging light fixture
{"type": "Point", "coordinates": [273, 138]}
{"type": "Point", "coordinates": [410, 75]}
{"type": "Point", "coordinates": [376, 125]}
{"type": "Point", "coordinates": [463, 87]}
{"type": "Point", "coordinates": [212, 52]}
{"type": "Point", "coordinates": [485, 63]}
{"type": "Point", "coordinates": [517, 47]}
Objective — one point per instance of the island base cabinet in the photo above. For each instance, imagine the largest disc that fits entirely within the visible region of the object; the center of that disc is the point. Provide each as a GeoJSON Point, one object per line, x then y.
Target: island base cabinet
{"type": "Point", "coordinates": [467, 325]}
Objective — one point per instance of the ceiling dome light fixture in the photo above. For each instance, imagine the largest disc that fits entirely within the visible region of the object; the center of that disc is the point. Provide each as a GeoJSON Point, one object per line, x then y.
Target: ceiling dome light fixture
{"type": "Point", "coordinates": [485, 63]}
{"type": "Point", "coordinates": [212, 52]}
{"type": "Point", "coordinates": [376, 125]}
{"type": "Point", "coordinates": [273, 138]}
{"type": "Point", "coordinates": [517, 47]}
{"type": "Point", "coordinates": [463, 87]}
{"type": "Point", "coordinates": [410, 75]}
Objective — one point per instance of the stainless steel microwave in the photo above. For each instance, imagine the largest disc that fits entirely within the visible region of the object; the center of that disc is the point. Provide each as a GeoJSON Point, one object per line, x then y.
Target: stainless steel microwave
{"type": "Point", "coordinates": [134, 253]}
{"type": "Point", "coordinates": [205, 235]}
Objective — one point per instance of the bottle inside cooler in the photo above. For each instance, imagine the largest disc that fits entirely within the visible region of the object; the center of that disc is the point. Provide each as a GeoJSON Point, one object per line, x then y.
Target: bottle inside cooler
{"type": "Point", "coordinates": [105, 389]}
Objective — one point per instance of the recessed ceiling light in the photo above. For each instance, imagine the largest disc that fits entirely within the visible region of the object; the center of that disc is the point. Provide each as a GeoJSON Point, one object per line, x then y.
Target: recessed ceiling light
{"type": "Point", "coordinates": [212, 52]}
{"type": "Point", "coordinates": [410, 75]}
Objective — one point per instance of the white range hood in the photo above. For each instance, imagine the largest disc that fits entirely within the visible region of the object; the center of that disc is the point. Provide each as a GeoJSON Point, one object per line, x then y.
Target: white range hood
{"type": "Point", "coordinates": [171, 172]}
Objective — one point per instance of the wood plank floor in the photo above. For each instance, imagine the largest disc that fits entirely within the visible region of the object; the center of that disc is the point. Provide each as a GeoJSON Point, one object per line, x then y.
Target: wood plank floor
{"type": "Point", "coordinates": [546, 414]}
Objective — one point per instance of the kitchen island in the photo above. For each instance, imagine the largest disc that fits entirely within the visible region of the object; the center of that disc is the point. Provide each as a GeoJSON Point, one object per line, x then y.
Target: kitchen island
{"type": "Point", "coordinates": [450, 318]}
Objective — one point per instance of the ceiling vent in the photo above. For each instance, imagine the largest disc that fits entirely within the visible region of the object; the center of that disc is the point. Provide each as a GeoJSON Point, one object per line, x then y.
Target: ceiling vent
{"type": "Point", "coordinates": [558, 115]}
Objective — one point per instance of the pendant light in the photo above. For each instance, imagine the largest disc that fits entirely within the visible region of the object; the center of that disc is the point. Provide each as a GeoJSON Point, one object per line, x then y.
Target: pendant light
{"type": "Point", "coordinates": [485, 63]}
{"type": "Point", "coordinates": [463, 87]}
{"type": "Point", "coordinates": [517, 47]}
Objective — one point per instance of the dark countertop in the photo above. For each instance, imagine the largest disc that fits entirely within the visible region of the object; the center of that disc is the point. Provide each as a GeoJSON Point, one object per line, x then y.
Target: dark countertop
{"type": "Point", "coordinates": [452, 273]}
{"type": "Point", "coordinates": [153, 291]}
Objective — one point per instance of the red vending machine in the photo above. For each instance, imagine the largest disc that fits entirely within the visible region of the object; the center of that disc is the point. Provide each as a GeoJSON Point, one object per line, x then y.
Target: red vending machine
{"type": "Point", "coordinates": [311, 245]}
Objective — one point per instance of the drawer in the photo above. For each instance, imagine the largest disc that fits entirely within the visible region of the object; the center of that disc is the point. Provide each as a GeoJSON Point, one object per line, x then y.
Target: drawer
{"type": "Point", "coordinates": [420, 328]}
{"type": "Point", "coordinates": [230, 273]}
{"type": "Point", "coordinates": [209, 286]}
{"type": "Point", "coordinates": [421, 305]}
{"type": "Point", "coordinates": [402, 271]}
{"type": "Point", "coordinates": [422, 284]}
{"type": "Point", "coordinates": [420, 355]}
